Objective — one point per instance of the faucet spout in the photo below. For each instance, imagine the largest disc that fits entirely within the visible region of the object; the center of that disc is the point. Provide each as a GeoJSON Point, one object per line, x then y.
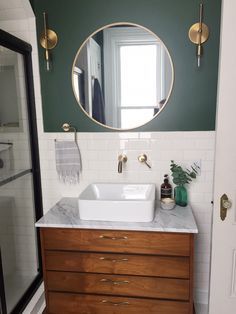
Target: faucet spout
{"type": "Point", "coordinates": [121, 159]}
{"type": "Point", "coordinates": [120, 166]}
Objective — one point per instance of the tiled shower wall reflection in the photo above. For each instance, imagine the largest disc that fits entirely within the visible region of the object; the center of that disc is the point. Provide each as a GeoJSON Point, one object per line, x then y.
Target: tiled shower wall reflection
{"type": "Point", "coordinates": [17, 228]}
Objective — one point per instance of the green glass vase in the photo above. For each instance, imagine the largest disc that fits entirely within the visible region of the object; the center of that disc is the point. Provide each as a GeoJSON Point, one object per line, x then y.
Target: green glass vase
{"type": "Point", "coordinates": [181, 195]}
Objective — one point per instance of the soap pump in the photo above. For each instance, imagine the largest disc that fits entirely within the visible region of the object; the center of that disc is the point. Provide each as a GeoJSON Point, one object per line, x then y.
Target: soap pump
{"type": "Point", "coordinates": [166, 188]}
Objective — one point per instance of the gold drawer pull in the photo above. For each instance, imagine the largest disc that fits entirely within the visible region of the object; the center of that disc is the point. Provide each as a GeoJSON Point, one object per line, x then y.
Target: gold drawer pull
{"type": "Point", "coordinates": [112, 238]}
{"type": "Point", "coordinates": [115, 282]}
{"type": "Point", "coordinates": [102, 258]}
{"type": "Point", "coordinates": [115, 303]}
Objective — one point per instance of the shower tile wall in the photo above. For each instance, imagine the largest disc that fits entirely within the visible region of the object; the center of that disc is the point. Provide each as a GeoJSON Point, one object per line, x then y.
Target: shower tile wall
{"type": "Point", "coordinates": [99, 155]}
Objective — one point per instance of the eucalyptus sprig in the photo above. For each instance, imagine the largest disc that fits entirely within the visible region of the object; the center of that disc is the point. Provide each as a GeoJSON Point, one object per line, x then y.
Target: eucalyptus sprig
{"type": "Point", "coordinates": [181, 176]}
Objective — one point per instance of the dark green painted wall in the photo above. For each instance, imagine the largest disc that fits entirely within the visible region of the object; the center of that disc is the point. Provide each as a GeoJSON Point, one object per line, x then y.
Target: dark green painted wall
{"type": "Point", "coordinates": [192, 105]}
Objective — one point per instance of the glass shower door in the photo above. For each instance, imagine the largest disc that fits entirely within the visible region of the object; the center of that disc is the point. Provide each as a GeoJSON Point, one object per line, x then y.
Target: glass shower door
{"type": "Point", "coordinates": [18, 238]}
{"type": "Point", "coordinates": [20, 189]}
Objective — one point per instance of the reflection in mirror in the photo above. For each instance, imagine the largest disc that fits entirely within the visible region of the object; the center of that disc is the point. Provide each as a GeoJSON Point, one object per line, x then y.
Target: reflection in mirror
{"type": "Point", "coordinates": [11, 90]}
{"type": "Point", "coordinates": [122, 76]}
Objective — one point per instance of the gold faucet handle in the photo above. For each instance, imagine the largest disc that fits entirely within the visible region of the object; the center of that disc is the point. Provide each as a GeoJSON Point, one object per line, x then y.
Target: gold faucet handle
{"type": "Point", "coordinates": [143, 159]}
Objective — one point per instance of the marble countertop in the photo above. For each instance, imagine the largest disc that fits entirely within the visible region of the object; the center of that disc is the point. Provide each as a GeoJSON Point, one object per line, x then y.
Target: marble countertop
{"type": "Point", "coordinates": [65, 214]}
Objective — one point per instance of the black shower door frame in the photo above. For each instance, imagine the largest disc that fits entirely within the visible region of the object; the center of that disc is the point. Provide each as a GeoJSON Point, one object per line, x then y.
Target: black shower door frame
{"type": "Point", "coordinates": [13, 43]}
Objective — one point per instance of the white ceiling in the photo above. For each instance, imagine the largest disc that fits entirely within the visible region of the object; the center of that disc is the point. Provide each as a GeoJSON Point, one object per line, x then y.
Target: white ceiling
{"type": "Point", "coordinates": [15, 9]}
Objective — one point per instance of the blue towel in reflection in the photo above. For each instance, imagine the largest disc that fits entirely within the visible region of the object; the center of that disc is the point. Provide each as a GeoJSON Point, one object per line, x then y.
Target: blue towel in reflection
{"type": "Point", "coordinates": [98, 103]}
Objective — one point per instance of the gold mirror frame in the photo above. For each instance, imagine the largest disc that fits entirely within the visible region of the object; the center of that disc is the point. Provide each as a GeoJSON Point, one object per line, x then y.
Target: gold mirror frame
{"type": "Point", "coordinates": [171, 63]}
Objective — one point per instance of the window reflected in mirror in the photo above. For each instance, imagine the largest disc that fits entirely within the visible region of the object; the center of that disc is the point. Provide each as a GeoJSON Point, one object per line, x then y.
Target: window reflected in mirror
{"type": "Point", "coordinates": [122, 76]}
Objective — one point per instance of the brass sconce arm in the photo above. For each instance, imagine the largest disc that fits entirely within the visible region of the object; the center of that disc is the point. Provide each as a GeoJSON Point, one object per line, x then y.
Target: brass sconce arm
{"type": "Point", "coordinates": [48, 40]}
{"type": "Point", "coordinates": [199, 34]}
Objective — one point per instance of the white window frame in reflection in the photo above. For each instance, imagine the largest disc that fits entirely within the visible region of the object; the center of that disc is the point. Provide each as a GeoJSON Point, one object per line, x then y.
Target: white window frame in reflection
{"type": "Point", "coordinates": [114, 40]}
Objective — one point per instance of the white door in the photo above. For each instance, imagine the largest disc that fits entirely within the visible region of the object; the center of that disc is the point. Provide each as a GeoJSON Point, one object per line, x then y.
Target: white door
{"type": "Point", "coordinates": [95, 60]}
{"type": "Point", "coordinates": [223, 264]}
{"type": "Point", "coordinates": [94, 69]}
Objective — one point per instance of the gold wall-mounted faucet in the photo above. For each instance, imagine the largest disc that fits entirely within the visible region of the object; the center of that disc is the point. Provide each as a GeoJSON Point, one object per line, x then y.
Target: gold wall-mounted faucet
{"type": "Point", "coordinates": [121, 159]}
{"type": "Point", "coordinates": [143, 159]}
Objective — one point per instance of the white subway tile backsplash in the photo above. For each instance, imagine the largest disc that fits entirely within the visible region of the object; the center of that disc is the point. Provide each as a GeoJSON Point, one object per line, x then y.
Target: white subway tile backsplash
{"type": "Point", "coordinates": [99, 145]}
{"type": "Point", "coordinates": [184, 144]}
{"type": "Point", "coordinates": [139, 144]}
{"type": "Point", "coordinates": [125, 135]}
{"type": "Point", "coordinates": [197, 197]}
{"type": "Point", "coordinates": [194, 155]}
{"type": "Point", "coordinates": [209, 176]}
{"type": "Point", "coordinates": [199, 135]}
{"type": "Point", "coordinates": [161, 144]}
{"type": "Point", "coordinates": [207, 144]}
{"type": "Point", "coordinates": [201, 187]}
{"type": "Point", "coordinates": [210, 154]}
{"type": "Point", "coordinates": [171, 155]}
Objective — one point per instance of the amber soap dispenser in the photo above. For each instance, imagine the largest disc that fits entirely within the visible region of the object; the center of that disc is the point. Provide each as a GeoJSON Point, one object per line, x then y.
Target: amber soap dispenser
{"type": "Point", "coordinates": [166, 188]}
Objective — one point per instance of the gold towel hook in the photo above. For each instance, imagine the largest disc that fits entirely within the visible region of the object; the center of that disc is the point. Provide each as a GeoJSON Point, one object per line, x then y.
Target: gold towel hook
{"type": "Point", "coordinates": [67, 127]}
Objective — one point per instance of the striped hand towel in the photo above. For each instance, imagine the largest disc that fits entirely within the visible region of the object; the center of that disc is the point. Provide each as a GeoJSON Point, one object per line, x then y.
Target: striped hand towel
{"type": "Point", "coordinates": [68, 161]}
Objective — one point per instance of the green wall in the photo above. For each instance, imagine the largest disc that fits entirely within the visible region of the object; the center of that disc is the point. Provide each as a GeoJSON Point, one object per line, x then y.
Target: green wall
{"type": "Point", "coordinates": [192, 105]}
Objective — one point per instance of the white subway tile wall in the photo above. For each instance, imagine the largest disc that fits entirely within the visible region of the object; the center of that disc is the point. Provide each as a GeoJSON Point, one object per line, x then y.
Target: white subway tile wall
{"type": "Point", "coordinates": [99, 157]}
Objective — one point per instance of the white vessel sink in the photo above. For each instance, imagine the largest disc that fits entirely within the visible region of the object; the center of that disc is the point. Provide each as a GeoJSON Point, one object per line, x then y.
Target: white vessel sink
{"type": "Point", "coordinates": [118, 202]}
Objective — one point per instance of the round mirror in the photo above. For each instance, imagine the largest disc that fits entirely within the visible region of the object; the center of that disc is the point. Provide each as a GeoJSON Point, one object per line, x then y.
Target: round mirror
{"type": "Point", "coordinates": [122, 76]}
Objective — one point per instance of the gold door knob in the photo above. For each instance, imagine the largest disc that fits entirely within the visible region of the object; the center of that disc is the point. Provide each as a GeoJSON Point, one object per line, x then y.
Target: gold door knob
{"type": "Point", "coordinates": [225, 204]}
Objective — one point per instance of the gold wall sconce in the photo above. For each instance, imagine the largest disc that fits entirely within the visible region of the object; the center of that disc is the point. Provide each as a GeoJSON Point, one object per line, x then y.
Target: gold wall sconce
{"type": "Point", "coordinates": [198, 34]}
{"type": "Point", "coordinates": [48, 41]}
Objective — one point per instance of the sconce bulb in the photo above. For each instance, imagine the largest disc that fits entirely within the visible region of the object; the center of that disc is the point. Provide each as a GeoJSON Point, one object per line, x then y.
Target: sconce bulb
{"type": "Point", "coordinates": [199, 54]}
{"type": "Point", "coordinates": [47, 61]}
{"type": "Point", "coordinates": [198, 61]}
{"type": "Point", "coordinates": [48, 65]}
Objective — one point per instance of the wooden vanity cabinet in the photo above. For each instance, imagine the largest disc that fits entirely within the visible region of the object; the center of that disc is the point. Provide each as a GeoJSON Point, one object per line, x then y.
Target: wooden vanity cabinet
{"type": "Point", "coordinates": [117, 272]}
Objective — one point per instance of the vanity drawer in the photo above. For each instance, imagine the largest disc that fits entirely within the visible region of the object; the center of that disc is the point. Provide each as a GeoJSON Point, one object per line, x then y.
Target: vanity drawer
{"type": "Point", "coordinates": [61, 303]}
{"type": "Point", "coordinates": [143, 265]}
{"type": "Point", "coordinates": [121, 285]}
{"type": "Point", "coordinates": [161, 243]}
